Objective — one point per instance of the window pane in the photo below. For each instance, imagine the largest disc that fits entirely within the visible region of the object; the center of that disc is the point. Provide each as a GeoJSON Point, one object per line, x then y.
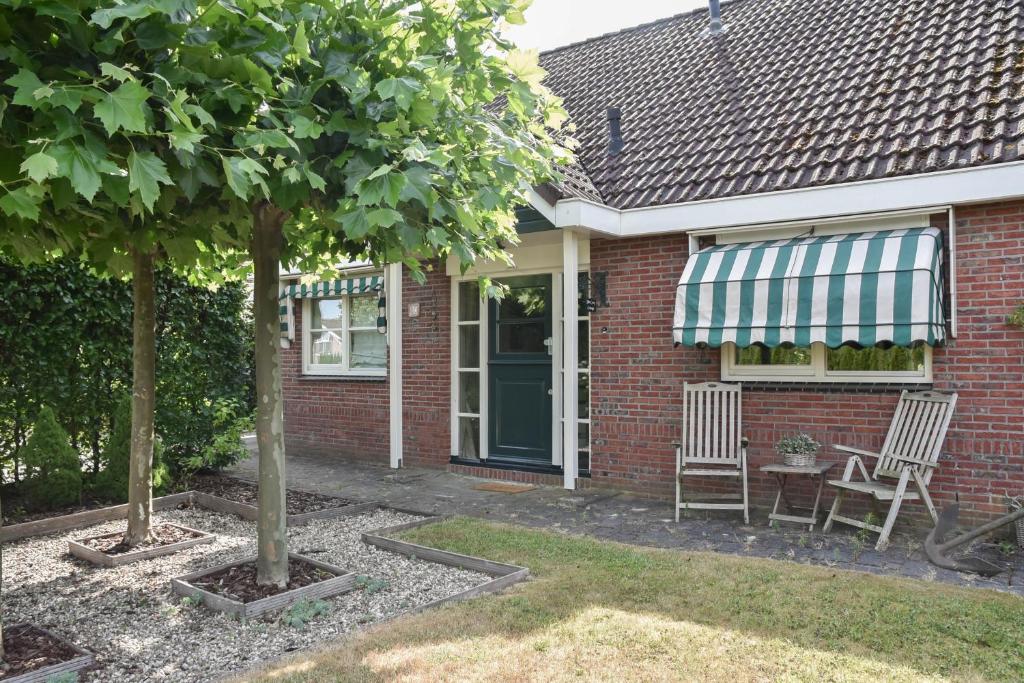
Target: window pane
{"type": "Point", "coordinates": [524, 337]}
{"type": "Point", "coordinates": [364, 311]}
{"type": "Point", "coordinates": [875, 359]}
{"type": "Point", "coordinates": [584, 395]}
{"type": "Point", "coordinates": [469, 392]}
{"type": "Point", "coordinates": [584, 461]}
{"type": "Point", "coordinates": [327, 314]}
{"type": "Point", "coordinates": [524, 303]}
{"type": "Point", "coordinates": [583, 437]}
{"type": "Point", "coordinates": [469, 346]}
{"type": "Point", "coordinates": [326, 348]}
{"type": "Point", "coordinates": [469, 301]}
{"type": "Point", "coordinates": [584, 343]}
{"type": "Point", "coordinates": [369, 349]}
{"type": "Point", "coordinates": [759, 354]}
{"type": "Point", "coordinates": [469, 437]}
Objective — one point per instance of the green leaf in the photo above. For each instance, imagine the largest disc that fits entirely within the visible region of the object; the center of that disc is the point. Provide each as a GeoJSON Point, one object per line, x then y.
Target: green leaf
{"type": "Point", "coordinates": [124, 108]}
{"type": "Point", "coordinates": [26, 84]}
{"type": "Point", "coordinates": [131, 10]}
{"type": "Point", "coordinates": [185, 140]}
{"type": "Point", "coordinates": [23, 201]}
{"type": "Point", "coordinates": [401, 90]}
{"type": "Point", "coordinates": [81, 166]}
{"type": "Point", "coordinates": [204, 116]}
{"type": "Point", "coordinates": [315, 180]}
{"type": "Point", "coordinates": [270, 138]}
{"type": "Point", "coordinates": [305, 128]}
{"type": "Point", "coordinates": [384, 218]}
{"type": "Point", "coordinates": [115, 72]}
{"type": "Point", "coordinates": [67, 98]}
{"type": "Point", "coordinates": [39, 166]}
{"type": "Point", "coordinates": [300, 42]}
{"type": "Point", "coordinates": [236, 179]}
{"type": "Point", "coordinates": [146, 172]}
{"type": "Point", "coordinates": [355, 224]}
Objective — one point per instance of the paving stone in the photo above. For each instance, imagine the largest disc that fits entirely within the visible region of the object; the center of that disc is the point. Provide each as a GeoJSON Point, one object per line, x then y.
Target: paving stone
{"type": "Point", "coordinates": [623, 517]}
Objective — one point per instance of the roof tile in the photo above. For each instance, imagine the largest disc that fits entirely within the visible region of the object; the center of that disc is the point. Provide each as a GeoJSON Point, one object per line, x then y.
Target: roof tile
{"type": "Point", "coordinates": [794, 94]}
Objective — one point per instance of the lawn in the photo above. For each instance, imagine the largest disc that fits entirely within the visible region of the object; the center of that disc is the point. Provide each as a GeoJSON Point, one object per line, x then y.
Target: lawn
{"type": "Point", "coordinates": [603, 611]}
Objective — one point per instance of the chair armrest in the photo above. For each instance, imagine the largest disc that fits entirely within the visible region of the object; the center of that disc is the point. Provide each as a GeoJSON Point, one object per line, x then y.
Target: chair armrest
{"type": "Point", "coordinates": [913, 461]}
{"type": "Point", "coordinates": [856, 451]}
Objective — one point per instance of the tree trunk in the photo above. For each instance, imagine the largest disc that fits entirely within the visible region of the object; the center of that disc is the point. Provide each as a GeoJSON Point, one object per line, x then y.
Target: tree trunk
{"type": "Point", "coordinates": [272, 555]}
{"type": "Point", "coordinates": [140, 476]}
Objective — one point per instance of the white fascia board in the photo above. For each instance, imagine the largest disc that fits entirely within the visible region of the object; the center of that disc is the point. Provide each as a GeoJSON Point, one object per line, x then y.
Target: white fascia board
{"type": "Point", "coordinates": [966, 186]}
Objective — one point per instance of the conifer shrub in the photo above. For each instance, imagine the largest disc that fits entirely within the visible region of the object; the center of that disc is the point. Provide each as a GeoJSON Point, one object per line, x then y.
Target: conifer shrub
{"type": "Point", "coordinates": [112, 481]}
{"type": "Point", "coordinates": [53, 467]}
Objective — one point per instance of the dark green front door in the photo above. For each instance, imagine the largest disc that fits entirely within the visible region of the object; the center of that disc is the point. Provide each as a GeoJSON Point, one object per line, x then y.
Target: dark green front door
{"type": "Point", "coordinates": [519, 366]}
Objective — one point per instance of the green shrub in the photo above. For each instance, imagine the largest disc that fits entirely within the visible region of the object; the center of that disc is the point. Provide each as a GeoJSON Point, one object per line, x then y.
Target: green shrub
{"type": "Point", "coordinates": [54, 471]}
{"type": "Point", "coordinates": [227, 447]}
{"type": "Point", "coordinates": [112, 481]}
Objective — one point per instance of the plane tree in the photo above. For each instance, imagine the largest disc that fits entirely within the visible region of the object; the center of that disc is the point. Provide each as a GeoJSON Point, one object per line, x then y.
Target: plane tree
{"type": "Point", "coordinates": [305, 130]}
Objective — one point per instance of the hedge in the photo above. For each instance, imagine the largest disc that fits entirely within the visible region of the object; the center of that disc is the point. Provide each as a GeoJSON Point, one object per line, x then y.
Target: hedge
{"type": "Point", "coordinates": [65, 342]}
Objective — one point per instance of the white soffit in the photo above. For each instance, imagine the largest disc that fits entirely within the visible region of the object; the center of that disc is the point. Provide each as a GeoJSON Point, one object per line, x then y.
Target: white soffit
{"type": "Point", "coordinates": [888, 195]}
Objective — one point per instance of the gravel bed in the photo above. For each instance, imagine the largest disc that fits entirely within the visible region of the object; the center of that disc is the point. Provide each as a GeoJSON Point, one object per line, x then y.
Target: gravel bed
{"type": "Point", "coordinates": [140, 632]}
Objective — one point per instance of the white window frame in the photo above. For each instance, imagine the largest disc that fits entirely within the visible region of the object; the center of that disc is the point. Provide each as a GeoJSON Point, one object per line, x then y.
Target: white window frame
{"type": "Point", "coordinates": [817, 371]}
{"type": "Point", "coordinates": [342, 369]}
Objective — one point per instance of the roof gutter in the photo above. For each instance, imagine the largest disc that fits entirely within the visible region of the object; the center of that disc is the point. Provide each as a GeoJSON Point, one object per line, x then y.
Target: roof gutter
{"type": "Point", "coordinates": [962, 186]}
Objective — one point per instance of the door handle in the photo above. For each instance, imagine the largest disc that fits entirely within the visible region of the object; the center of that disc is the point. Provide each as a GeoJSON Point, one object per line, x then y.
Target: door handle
{"type": "Point", "coordinates": [549, 343]}
{"type": "Point", "coordinates": [551, 392]}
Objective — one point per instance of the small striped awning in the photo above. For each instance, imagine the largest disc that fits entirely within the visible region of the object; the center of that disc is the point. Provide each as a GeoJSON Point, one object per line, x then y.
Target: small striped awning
{"type": "Point", "coordinates": [325, 288]}
{"type": "Point", "coordinates": [864, 288]}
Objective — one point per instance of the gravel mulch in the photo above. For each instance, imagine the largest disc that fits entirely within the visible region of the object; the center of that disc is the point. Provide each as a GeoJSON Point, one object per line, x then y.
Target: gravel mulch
{"type": "Point", "coordinates": [299, 502]}
{"type": "Point", "coordinates": [140, 632]}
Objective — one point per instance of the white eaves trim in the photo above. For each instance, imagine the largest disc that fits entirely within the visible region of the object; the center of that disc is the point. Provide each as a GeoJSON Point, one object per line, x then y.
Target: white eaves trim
{"type": "Point", "coordinates": [964, 186]}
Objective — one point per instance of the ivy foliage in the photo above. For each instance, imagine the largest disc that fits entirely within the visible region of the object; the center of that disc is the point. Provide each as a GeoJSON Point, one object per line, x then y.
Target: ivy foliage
{"type": "Point", "coordinates": [55, 476]}
{"type": "Point", "coordinates": [65, 341]}
{"type": "Point", "coordinates": [397, 130]}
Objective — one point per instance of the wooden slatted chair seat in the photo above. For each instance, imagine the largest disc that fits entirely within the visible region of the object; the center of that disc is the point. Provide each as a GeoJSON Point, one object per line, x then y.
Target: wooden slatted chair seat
{"type": "Point", "coordinates": [909, 456]}
{"type": "Point", "coordinates": [712, 445]}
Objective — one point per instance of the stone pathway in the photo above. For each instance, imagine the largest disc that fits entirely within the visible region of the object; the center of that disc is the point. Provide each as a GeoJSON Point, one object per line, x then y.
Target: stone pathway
{"type": "Point", "coordinates": [626, 518]}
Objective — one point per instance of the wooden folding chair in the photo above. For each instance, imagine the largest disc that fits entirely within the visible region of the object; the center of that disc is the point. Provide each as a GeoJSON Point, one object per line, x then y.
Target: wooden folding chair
{"type": "Point", "coordinates": [713, 445]}
{"type": "Point", "coordinates": [910, 454]}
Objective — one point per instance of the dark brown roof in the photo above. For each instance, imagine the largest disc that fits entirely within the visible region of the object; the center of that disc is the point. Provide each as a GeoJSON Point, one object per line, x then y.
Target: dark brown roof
{"type": "Point", "coordinates": [794, 94]}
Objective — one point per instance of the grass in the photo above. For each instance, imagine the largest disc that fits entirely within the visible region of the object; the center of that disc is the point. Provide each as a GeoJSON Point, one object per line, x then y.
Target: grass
{"type": "Point", "coordinates": [603, 611]}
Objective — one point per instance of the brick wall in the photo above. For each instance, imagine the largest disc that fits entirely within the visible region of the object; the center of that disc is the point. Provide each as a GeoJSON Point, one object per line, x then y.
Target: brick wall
{"type": "Point", "coordinates": [637, 378]}
{"type": "Point", "coordinates": [348, 418]}
{"type": "Point", "coordinates": [332, 416]}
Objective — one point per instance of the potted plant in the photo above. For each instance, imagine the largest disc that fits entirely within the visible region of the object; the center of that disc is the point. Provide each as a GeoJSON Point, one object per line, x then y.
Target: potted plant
{"type": "Point", "coordinates": [798, 450]}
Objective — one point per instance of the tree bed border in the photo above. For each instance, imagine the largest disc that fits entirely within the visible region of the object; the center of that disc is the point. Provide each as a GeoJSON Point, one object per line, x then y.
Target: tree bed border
{"type": "Point", "coordinates": [83, 660]}
{"type": "Point", "coordinates": [342, 582]}
{"type": "Point", "coordinates": [84, 552]}
{"type": "Point", "coordinates": [503, 575]}
{"type": "Point", "coordinates": [251, 512]}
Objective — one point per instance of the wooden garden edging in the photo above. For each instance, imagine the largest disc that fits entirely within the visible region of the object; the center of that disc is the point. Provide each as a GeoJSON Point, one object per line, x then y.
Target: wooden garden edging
{"type": "Point", "coordinates": [250, 512]}
{"type": "Point", "coordinates": [504, 574]}
{"type": "Point", "coordinates": [77, 520]}
{"type": "Point", "coordinates": [47, 673]}
{"type": "Point", "coordinates": [82, 551]}
{"type": "Point", "coordinates": [342, 582]}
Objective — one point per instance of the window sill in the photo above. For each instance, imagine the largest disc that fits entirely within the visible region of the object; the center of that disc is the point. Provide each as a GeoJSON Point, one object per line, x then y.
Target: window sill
{"type": "Point", "coordinates": [306, 377]}
{"type": "Point", "coordinates": [837, 387]}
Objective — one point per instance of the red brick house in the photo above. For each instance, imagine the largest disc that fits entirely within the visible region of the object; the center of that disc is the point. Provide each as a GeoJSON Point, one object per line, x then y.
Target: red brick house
{"type": "Point", "coordinates": [824, 120]}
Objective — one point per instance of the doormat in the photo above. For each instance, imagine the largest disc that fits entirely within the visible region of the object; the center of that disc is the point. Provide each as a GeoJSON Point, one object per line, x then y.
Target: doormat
{"type": "Point", "coordinates": [503, 487]}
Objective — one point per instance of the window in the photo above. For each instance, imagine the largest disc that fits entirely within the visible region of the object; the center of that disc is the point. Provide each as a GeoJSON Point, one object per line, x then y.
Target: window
{"type": "Point", "coordinates": [468, 369]}
{"type": "Point", "coordinates": [818, 363]}
{"type": "Point", "coordinates": [340, 337]}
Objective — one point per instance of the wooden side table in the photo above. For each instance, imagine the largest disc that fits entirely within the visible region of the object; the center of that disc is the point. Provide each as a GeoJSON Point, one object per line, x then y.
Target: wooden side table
{"type": "Point", "coordinates": [781, 473]}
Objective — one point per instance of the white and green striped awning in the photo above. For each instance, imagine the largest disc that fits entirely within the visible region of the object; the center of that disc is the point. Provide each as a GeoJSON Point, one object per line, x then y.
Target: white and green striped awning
{"type": "Point", "coordinates": [864, 288]}
{"type": "Point", "coordinates": [324, 288]}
